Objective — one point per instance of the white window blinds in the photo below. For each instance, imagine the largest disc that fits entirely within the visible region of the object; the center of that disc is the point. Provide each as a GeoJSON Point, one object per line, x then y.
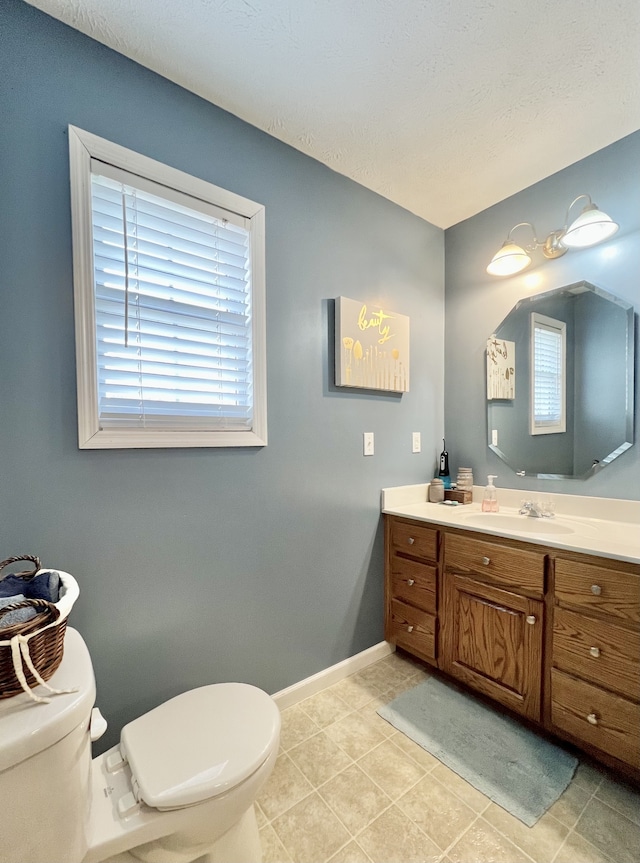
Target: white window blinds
{"type": "Point", "coordinates": [548, 383]}
{"type": "Point", "coordinates": [169, 294]}
{"type": "Point", "coordinates": [172, 307]}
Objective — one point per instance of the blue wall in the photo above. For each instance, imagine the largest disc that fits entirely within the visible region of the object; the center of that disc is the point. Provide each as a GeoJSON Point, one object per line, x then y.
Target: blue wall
{"type": "Point", "coordinates": [197, 566]}
{"type": "Point", "coordinates": [476, 303]}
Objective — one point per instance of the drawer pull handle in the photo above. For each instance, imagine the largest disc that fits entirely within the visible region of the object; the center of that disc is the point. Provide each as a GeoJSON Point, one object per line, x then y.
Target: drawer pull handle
{"type": "Point", "coordinates": [592, 719]}
{"type": "Point", "coordinates": [596, 590]}
{"type": "Point", "coordinates": [409, 628]}
{"type": "Point", "coordinates": [531, 619]}
{"type": "Point", "coordinates": [594, 651]}
{"type": "Point", "coordinates": [411, 582]}
{"type": "Point", "coordinates": [486, 561]}
{"type": "Point", "coordinates": [411, 540]}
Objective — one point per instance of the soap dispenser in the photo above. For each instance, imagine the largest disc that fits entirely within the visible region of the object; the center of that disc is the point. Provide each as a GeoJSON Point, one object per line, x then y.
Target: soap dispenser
{"type": "Point", "coordinates": [490, 498]}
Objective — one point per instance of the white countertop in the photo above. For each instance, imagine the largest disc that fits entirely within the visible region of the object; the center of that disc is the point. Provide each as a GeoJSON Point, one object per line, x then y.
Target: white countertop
{"type": "Point", "coordinates": [600, 526]}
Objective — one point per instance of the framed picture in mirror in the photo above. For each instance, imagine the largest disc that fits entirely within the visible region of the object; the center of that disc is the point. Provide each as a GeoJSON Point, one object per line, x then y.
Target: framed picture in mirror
{"type": "Point", "coordinates": [501, 368]}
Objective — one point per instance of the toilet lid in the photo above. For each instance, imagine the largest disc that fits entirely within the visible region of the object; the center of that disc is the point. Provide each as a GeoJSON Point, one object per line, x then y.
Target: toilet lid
{"type": "Point", "coordinates": [199, 744]}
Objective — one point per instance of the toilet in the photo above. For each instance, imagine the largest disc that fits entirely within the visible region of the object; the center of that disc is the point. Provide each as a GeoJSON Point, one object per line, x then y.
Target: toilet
{"type": "Point", "coordinates": [180, 786]}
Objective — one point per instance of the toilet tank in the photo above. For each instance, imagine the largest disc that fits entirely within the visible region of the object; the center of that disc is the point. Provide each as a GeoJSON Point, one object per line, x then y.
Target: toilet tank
{"type": "Point", "coordinates": [45, 765]}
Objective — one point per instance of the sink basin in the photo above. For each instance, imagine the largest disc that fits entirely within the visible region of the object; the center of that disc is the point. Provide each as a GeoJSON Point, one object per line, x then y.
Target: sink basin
{"type": "Point", "coordinates": [519, 523]}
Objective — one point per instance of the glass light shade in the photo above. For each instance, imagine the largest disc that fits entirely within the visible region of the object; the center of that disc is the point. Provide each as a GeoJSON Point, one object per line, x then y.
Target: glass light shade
{"type": "Point", "coordinates": [592, 226]}
{"type": "Point", "coordinates": [508, 260]}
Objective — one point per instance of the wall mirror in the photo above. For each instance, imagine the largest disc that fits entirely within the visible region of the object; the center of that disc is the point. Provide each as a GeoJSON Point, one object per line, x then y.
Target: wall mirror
{"type": "Point", "coordinates": [568, 408]}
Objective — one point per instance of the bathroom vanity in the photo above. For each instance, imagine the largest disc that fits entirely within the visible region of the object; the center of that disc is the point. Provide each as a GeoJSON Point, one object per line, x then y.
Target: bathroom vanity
{"type": "Point", "coordinates": [539, 615]}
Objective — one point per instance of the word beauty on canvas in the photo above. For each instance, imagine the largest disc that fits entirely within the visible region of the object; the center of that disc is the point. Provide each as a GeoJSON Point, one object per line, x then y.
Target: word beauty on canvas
{"type": "Point", "coordinates": [372, 346]}
{"type": "Point", "coordinates": [376, 321]}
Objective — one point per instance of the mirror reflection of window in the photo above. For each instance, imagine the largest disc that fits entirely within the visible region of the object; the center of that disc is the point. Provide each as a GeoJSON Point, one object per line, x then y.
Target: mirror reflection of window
{"type": "Point", "coordinates": [599, 384]}
{"type": "Point", "coordinates": [549, 373]}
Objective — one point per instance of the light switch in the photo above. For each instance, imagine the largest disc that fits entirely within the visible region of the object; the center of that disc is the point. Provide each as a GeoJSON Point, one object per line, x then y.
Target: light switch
{"type": "Point", "coordinates": [367, 440]}
{"type": "Point", "coordinates": [494, 437]}
{"type": "Point", "coordinates": [416, 444]}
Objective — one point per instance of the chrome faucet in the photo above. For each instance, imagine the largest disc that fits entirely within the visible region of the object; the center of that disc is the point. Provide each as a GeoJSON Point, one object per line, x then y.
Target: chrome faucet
{"type": "Point", "coordinates": [535, 509]}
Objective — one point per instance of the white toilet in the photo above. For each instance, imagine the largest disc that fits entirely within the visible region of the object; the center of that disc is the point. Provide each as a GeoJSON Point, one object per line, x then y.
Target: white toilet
{"type": "Point", "coordinates": [179, 787]}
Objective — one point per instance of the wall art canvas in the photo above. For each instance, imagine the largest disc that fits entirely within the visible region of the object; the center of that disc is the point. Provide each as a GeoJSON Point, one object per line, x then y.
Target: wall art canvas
{"type": "Point", "coordinates": [501, 369]}
{"type": "Point", "coordinates": [372, 346]}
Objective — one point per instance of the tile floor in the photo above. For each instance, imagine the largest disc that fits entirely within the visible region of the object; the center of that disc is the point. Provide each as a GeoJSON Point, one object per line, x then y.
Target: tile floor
{"type": "Point", "coordinates": [348, 788]}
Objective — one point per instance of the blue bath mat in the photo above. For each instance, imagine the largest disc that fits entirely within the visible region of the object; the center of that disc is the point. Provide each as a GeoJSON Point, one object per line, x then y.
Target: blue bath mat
{"type": "Point", "coordinates": [514, 767]}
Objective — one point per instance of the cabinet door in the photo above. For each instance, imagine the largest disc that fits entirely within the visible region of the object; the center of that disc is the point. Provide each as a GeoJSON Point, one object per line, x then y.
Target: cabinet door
{"type": "Point", "coordinates": [492, 641]}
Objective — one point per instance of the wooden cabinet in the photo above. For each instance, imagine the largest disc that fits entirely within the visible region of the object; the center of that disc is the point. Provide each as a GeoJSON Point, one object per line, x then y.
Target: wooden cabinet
{"type": "Point", "coordinates": [492, 618]}
{"type": "Point", "coordinates": [492, 641]}
{"type": "Point", "coordinates": [603, 589]}
{"type": "Point", "coordinates": [591, 715]}
{"type": "Point", "coordinates": [413, 629]}
{"type": "Point", "coordinates": [595, 656]}
{"type": "Point", "coordinates": [413, 539]}
{"type": "Point", "coordinates": [598, 651]}
{"type": "Point", "coordinates": [500, 561]}
{"type": "Point", "coordinates": [554, 636]}
{"type": "Point", "coordinates": [411, 594]}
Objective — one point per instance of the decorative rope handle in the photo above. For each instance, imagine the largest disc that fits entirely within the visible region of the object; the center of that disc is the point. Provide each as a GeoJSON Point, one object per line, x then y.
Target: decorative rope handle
{"type": "Point", "coordinates": [22, 557]}
{"type": "Point", "coordinates": [20, 645]}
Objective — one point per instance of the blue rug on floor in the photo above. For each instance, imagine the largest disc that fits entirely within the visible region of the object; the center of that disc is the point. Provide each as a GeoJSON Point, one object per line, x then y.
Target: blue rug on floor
{"type": "Point", "coordinates": [511, 765]}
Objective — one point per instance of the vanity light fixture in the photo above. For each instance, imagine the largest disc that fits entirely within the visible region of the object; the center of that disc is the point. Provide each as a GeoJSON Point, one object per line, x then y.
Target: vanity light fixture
{"type": "Point", "coordinates": [592, 226]}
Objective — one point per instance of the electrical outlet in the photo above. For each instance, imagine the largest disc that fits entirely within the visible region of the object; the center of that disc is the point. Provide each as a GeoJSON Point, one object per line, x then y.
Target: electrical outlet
{"type": "Point", "coordinates": [367, 443]}
{"type": "Point", "coordinates": [494, 437]}
{"type": "Point", "coordinates": [416, 444]}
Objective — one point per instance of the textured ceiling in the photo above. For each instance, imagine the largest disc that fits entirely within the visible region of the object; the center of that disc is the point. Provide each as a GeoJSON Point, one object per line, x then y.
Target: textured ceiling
{"type": "Point", "coordinates": [443, 106]}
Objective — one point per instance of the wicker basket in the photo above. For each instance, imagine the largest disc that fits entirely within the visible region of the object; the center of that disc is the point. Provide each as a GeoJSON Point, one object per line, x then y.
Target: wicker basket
{"type": "Point", "coordinates": [30, 652]}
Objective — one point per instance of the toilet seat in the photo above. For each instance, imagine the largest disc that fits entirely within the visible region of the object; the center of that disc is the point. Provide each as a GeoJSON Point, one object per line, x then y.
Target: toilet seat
{"type": "Point", "coordinates": [199, 744]}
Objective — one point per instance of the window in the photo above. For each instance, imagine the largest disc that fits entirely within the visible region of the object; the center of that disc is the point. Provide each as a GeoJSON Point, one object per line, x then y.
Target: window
{"type": "Point", "coordinates": [548, 375]}
{"type": "Point", "coordinates": [169, 283]}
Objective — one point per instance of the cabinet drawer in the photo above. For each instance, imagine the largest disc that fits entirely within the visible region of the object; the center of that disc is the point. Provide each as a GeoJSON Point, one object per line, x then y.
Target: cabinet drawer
{"type": "Point", "coordinates": [414, 583]}
{"type": "Point", "coordinates": [598, 651]}
{"type": "Point", "coordinates": [513, 567]}
{"type": "Point", "coordinates": [415, 539]}
{"type": "Point", "coordinates": [606, 721]}
{"type": "Point", "coordinates": [412, 629]}
{"type": "Point", "coordinates": [609, 591]}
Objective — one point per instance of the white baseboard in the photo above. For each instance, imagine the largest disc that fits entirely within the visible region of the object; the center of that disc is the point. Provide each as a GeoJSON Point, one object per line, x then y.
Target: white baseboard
{"type": "Point", "coordinates": [310, 685]}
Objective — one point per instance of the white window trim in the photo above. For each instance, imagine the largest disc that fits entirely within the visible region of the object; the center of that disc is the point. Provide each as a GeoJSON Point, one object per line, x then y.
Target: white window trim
{"type": "Point", "coordinates": [561, 327]}
{"type": "Point", "coordinates": [82, 147]}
